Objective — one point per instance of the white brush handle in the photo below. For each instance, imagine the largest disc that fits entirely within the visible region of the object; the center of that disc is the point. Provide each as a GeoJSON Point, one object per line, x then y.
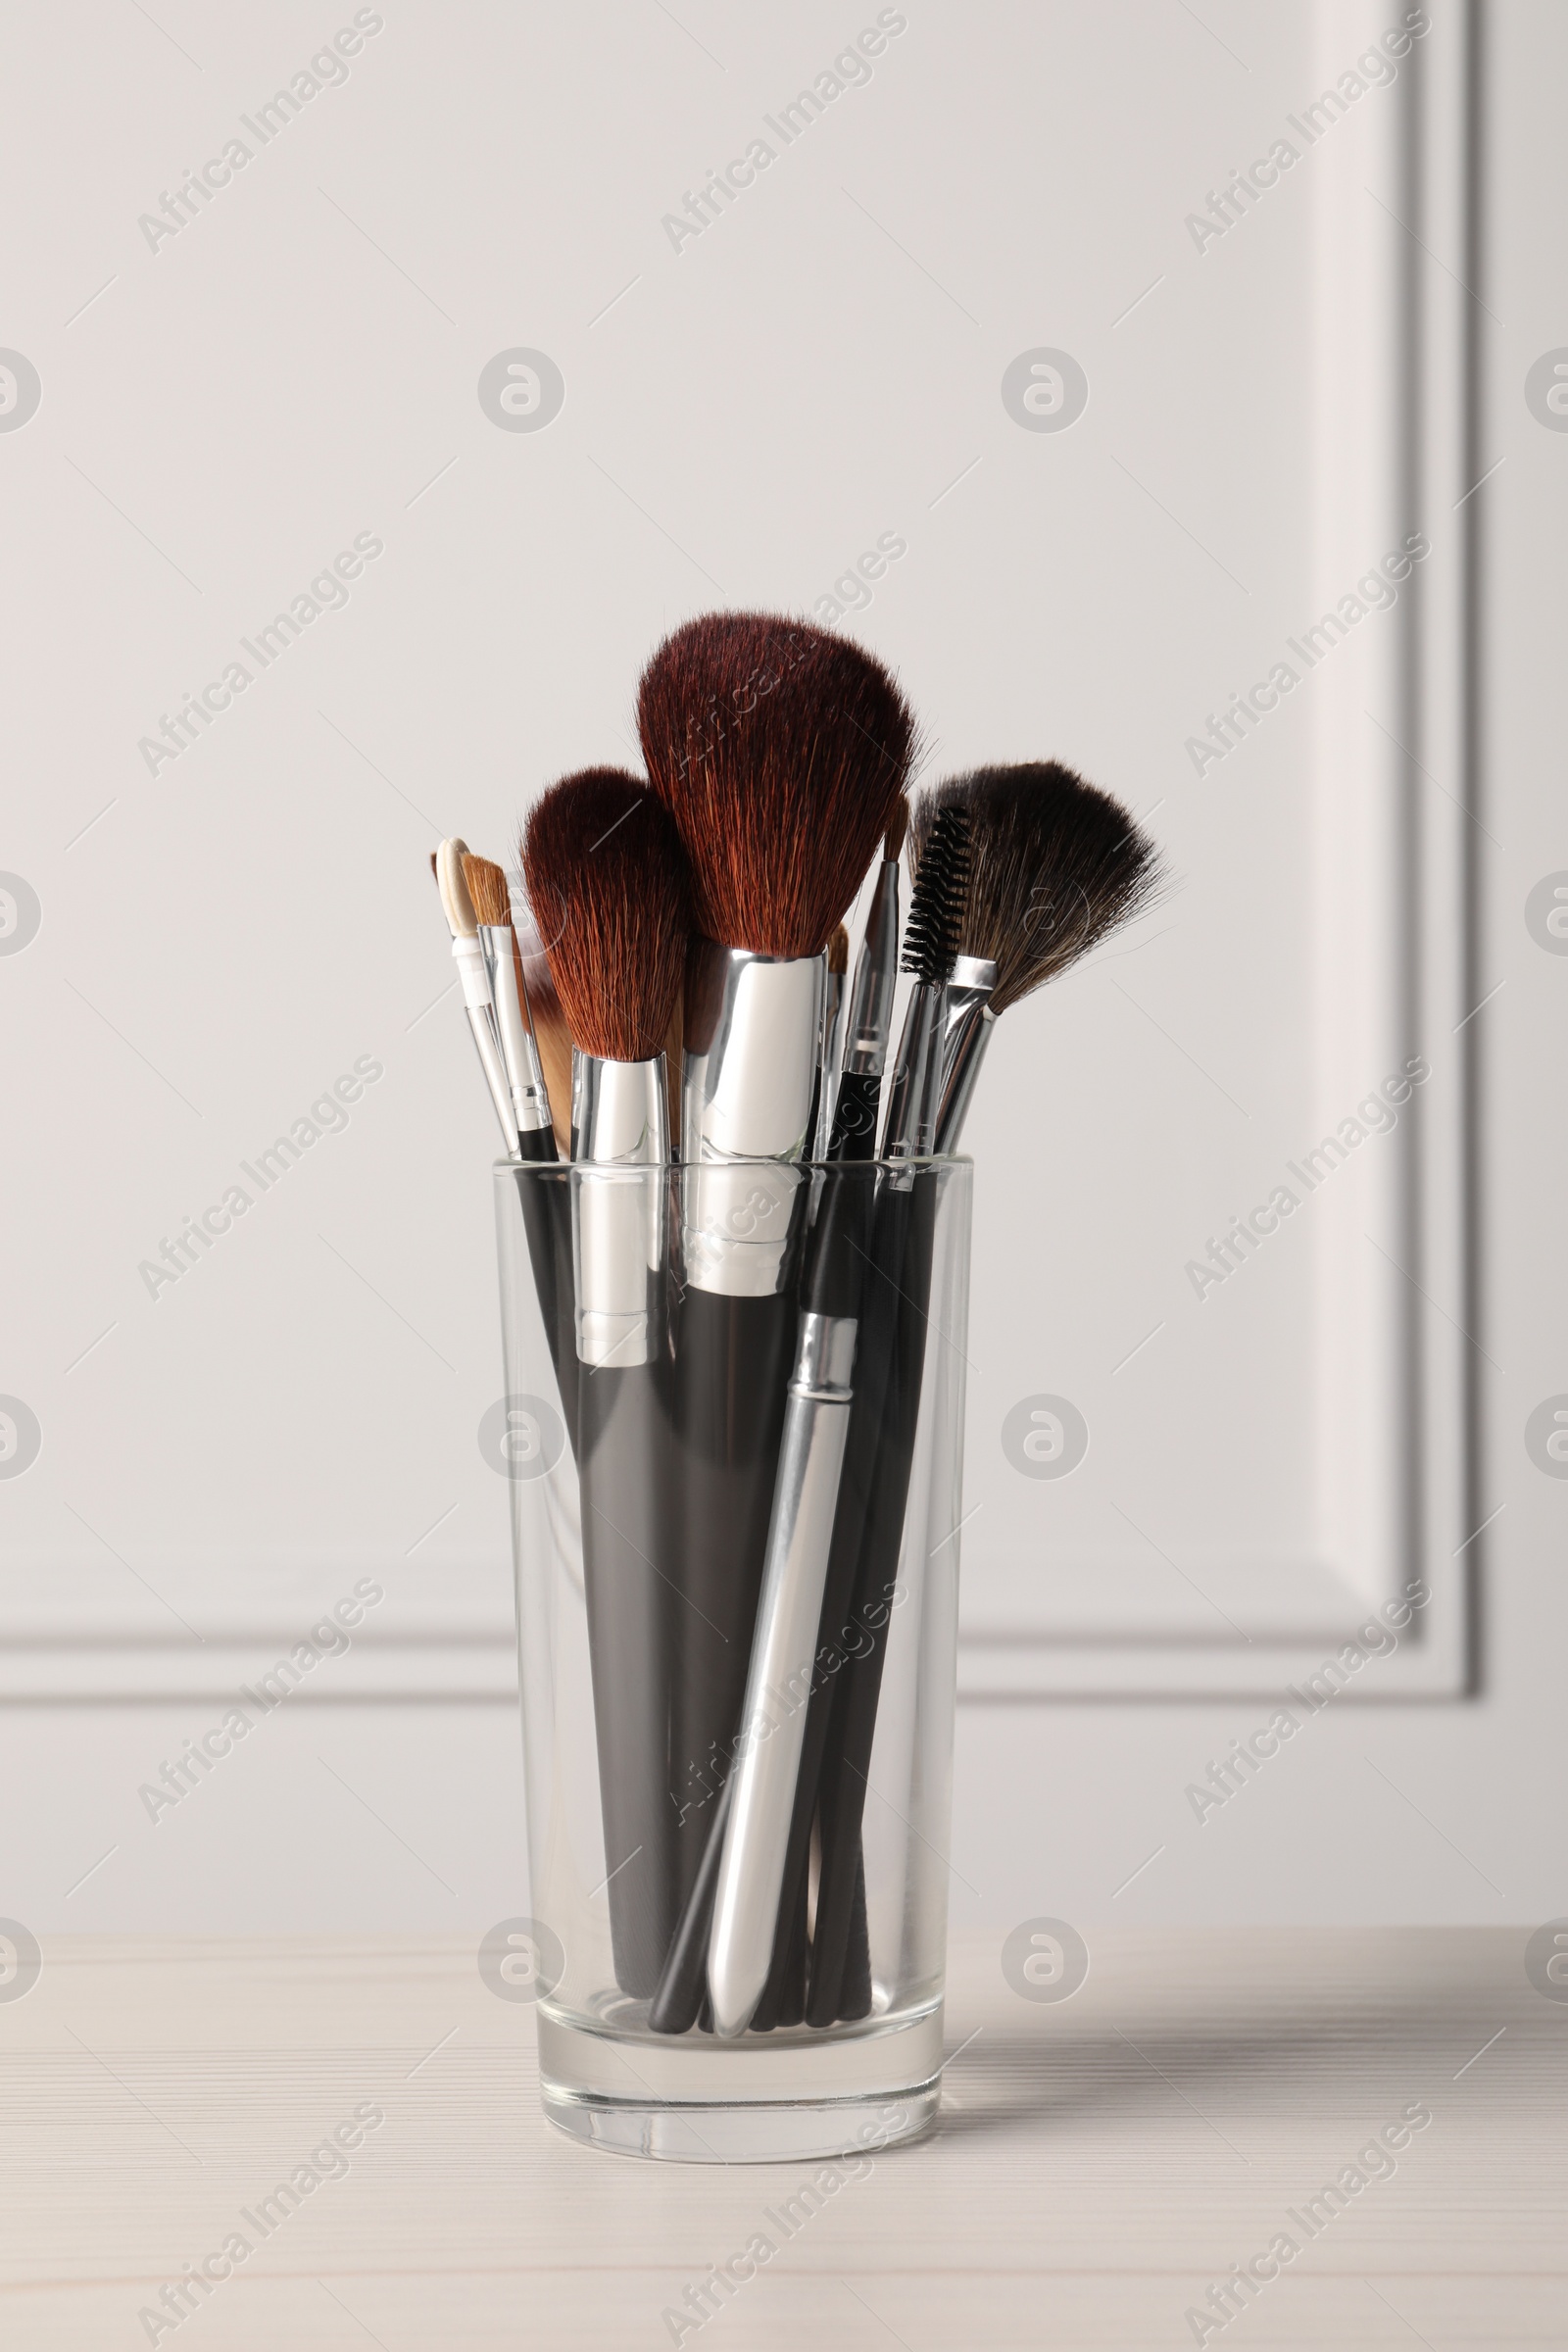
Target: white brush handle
{"type": "Point", "coordinates": [469, 957]}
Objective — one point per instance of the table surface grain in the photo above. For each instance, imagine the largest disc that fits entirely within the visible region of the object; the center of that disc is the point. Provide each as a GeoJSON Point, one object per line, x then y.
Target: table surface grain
{"type": "Point", "coordinates": [1100, 2162]}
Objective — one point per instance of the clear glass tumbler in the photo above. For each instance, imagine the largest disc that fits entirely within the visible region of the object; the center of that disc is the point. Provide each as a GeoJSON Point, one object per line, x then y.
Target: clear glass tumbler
{"type": "Point", "coordinates": [736, 1827]}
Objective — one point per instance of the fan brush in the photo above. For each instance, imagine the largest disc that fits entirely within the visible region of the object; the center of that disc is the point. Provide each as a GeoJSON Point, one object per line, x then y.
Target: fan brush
{"type": "Point", "coordinates": [1058, 866]}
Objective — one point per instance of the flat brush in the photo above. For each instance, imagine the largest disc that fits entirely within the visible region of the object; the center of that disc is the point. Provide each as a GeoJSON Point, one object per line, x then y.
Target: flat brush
{"type": "Point", "coordinates": [469, 956]}
{"type": "Point", "coordinates": [546, 1206]}
{"type": "Point", "coordinates": [609, 886]}
{"type": "Point", "coordinates": [508, 995]}
{"type": "Point", "coordinates": [1058, 866]}
{"type": "Point", "coordinates": [551, 1032]}
{"type": "Point", "coordinates": [781, 752]}
{"type": "Point", "coordinates": [859, 1091]}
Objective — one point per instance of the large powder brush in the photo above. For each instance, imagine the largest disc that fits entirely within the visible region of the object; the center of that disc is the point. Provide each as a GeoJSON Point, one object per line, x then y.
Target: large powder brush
{"type": "Point", "coordinates": [780, 751]}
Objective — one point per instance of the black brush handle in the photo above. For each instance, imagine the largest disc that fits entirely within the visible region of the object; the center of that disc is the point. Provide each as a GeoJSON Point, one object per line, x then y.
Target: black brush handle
{"type": "Point", "coordinates": [848, 1213]}
{"type": "Point", "coordinates": [683, 1982]}
{"type": "Point", "coordinates": [901, 1263]}
{"type": "Point", "coordinates": [624, 1452]}
{"type": "Point", "coordinates": [732, 1363]}
{"type": "Point", "coordinates": [855, 1113]}
{"type": "Point", "coordinates": [547, 1224]}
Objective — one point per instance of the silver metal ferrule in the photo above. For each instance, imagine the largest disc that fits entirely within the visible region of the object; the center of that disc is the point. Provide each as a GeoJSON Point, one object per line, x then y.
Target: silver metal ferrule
{"type": "Point", "coordinates": [752, 1027]}
{"type": "Point", "coordinates": [964, 1052]}
{"type": "Point", "coordinates": [875, 975]}
{"type": "Point", "coordinates": [620, 1130]}
{"type": "Point", "coordinates": [973, 979]}
{"type": "Point", "coordinates": [915, 1093]}
{"type": "Point", "coordinates": [519, 1049]}
{"type": "Point", "coordinates": [778, 1685]}
{"type": "Point", "coordinates": [828, 1063]}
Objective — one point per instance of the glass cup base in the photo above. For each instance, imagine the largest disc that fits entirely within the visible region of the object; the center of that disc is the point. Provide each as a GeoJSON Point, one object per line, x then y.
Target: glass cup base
{"type": "Point", "coordinates": [874, 2090]}
{"type": "Point", "coordinates": [795, 2132]}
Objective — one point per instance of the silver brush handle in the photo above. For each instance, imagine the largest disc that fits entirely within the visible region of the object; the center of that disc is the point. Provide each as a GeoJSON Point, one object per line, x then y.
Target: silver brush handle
{"type": "Point", "coordinates": [751, 1875]}
{"type": "Point", "coordinates": [469, 957]}
{"type": "Point", "coordinates": [963, 1052]}
{"type": "Point", "coordinates": [514, 1031]}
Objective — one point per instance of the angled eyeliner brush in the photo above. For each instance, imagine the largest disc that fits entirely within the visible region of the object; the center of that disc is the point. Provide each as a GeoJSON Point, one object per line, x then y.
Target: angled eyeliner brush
{"type": "Point", "coordinates": [859, 1090]}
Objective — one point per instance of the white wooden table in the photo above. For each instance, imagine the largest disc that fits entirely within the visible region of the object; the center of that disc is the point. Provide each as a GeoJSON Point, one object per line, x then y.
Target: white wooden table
{"type": "Point", "coordinates": [1100, 2164]}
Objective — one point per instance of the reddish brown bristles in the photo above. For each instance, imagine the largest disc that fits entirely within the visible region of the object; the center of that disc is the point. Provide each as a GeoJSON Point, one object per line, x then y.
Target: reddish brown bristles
{"type": "Point", "coordinates": [838, 952]}
{"type": "Point", "coordinates": [610, 891]}
{"type": "Point", "coordinates": [487, 888]}
{"type": "Point", "coordinates": [1056, 866]}
{"type": "Point", "coordinates": [898, 826]}
{"type": "Point", "coordinates": [782, 752]}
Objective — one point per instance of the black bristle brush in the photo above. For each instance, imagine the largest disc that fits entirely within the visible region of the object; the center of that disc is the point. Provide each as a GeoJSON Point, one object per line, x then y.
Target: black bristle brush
{"type": "Point", "coordinates": [609, 885]}
{"type": "Point", "coordinates": [1058, 866]}
{"type": "Point", "coordinates": [868, 1531]}
{"type": "Point", "coordinates": [781, 752]}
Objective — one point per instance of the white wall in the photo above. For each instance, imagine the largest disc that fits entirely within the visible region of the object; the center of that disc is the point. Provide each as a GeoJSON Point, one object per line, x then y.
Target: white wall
{"type": "Point", "coordinates": [219, 939]}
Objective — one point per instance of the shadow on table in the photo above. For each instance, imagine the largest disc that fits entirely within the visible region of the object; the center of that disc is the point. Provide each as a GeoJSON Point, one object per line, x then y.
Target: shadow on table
{"type": "Point", "coordinates": [1217, 2072]}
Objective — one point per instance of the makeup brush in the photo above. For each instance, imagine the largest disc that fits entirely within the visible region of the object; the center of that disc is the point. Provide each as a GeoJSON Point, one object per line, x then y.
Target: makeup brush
{"type": "Point", "coordinates": [874, 1490]}
{"type": "Point", "coordinates": [549, 1022]}
{"type": "Point", "coordinates": [1058, 865]}
{"type": "Point", "coordinates": [859, 1091]}
{"type": "Point", "coordinates": [546, 1206]}
{"type": "Point", "coordinates": [781, 752]}
{"type": "Point", "coordinates": [509, 995]}
{"type": "Point", "coordinates": [832, 1046]}
{"type": "Point", "coordinates": [768, 1755]}
{"type": "Point", "coordinates": [607, 882]}
{"type": "Point", "coordinates": [464, 924]}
